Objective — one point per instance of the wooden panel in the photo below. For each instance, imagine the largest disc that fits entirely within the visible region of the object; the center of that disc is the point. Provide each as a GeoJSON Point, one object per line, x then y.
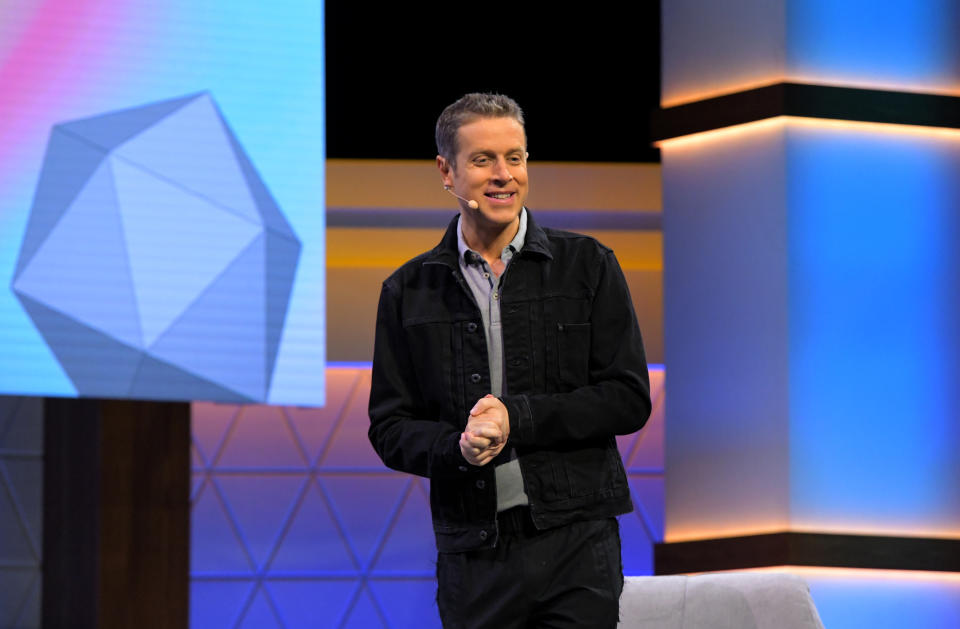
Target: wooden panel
{"type": "Point", "coordinates": [116, 514]}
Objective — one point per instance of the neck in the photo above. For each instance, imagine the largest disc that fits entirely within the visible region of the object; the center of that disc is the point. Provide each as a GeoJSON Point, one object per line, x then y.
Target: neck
{"type": "Point", "coordinates": [487, 239]}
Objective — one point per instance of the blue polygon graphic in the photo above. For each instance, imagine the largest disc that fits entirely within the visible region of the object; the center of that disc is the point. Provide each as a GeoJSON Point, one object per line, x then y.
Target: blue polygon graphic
{"type": "Point", "coordinates": [156, 263]}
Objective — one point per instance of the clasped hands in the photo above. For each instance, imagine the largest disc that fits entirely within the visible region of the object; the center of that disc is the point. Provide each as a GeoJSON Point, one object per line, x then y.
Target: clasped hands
{"type": "Point", "coordinates": [488, 428]}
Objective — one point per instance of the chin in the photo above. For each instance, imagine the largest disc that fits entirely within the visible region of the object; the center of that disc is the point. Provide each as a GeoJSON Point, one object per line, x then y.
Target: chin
{"type": "Point", "coordinates": [501, 216]}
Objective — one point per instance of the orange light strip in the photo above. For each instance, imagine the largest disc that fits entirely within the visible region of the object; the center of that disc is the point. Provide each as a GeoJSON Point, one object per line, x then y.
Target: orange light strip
{"type": "Point", "coordinates": [890, 86]}
{"type": "Point", "coordinates": [723, 133]}
{"type": "Point", "coordinates": [699, 535]}
{"type": "Point", "coordinates": [781, 122]}
{"type": "Point", "coordinates": [865, 529]}
{"type": "Point", "coordinates": [854, 573]}
{"type": "Point", "coordinates": [388, 248]}
{"type": "Point", "coordinates": [692, 97]}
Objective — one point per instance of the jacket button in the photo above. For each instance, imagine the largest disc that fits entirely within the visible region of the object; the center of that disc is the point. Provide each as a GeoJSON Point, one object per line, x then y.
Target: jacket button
{"type": "Point", "coordinates": [471, 327]}
{"type": "Point", "coordinates": [475, 378]}
{"type": "Point", "coordinates": [481, 484]}
{"type": "Point", "coordinates": [483, 536]}
{"type": "Point", "coordinates": [462, 468]}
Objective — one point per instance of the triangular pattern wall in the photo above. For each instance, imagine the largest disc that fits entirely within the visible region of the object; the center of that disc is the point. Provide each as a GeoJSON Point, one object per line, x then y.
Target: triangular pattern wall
{"type": "Point", "coordinates": [296, 523]}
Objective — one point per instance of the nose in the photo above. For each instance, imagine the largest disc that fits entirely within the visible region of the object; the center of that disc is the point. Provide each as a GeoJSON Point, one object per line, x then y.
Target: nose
{"type": "Point", "coordinates": [502, 172]}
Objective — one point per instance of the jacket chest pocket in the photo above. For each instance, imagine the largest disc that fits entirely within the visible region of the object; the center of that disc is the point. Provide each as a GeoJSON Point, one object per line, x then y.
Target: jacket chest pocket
{"type": "Point", "coordinates": [566, 342]}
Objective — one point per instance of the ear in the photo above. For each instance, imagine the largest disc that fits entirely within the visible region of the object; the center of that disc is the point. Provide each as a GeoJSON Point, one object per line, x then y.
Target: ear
{"type": "Point", "coordinates": [445, 170]}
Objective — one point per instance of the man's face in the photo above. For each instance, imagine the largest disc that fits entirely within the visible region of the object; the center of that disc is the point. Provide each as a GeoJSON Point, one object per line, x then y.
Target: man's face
{"type": "Point", "coordinates": [491, 169]}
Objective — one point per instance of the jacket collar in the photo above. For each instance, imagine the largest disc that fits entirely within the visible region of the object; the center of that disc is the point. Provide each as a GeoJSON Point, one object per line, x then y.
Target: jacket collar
{"type": "Point", "coordinates": [446, 252]}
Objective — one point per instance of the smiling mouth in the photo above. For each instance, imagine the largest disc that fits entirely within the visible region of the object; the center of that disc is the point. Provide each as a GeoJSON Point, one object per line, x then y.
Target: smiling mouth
{"type": "Point", "coordinates": [499, 195]}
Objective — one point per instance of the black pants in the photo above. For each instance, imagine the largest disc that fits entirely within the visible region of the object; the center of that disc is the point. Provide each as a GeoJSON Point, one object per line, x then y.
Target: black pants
{"type": "Point", "coordinates": [563, 578]}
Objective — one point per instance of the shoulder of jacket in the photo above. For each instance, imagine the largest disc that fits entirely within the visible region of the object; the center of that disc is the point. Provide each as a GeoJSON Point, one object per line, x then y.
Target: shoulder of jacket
{"type": "Point", "coordinates": [409, 270]}
{"type": "Point", "coordinates": [576, 242]}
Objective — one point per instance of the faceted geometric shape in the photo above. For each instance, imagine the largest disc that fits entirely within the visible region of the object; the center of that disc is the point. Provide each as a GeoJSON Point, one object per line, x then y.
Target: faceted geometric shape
{"type": "Point", "coordinates": [158, 218]}
{"type": "Point", "coordinates": [211, 341]}
{"type": "Point", "coordinates": [108, 131]}
{"type": "Point", "coordinates": [69, 163]}
{"type": "Point", "coordinates": [199, 120]}
{"type": "Point", "coordinates": [154, 374]}
{"type": "Point", "coordinates": [156, 264]}
{"type": "Point", "coordinates": [270, 213]}
{"type": "Point", "coordinates": [94, 360]}
{"type": "Point", "coordinates": [60, 274]}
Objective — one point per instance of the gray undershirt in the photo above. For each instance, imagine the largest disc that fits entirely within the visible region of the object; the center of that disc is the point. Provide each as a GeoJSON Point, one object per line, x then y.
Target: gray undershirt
{"type": "Point", "coordinates": [485, 287]}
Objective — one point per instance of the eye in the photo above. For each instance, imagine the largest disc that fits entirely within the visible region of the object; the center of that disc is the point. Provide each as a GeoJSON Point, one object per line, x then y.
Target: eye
{"type": "Point", "coordinates": [516, 159]}
{"type": "Point", "coordinates": [481, 160]}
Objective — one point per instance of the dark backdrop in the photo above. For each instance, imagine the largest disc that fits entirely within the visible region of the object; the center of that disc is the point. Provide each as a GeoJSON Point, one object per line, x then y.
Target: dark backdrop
{"type": "Point", "coordinates": [587, 78]}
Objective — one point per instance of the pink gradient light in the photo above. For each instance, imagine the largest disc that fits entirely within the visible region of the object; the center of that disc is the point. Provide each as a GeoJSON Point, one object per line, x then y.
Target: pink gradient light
{"type": "Point", "coordinates": [51, 61]}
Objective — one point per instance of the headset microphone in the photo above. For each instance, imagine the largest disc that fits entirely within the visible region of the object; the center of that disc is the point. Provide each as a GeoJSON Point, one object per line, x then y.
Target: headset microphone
{"type": "Point", "coordinates": [473, 205]}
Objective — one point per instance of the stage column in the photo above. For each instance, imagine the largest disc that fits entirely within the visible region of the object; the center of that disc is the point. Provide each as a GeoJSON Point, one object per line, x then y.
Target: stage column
{"type": "Point", "coordinates": [812, 291]}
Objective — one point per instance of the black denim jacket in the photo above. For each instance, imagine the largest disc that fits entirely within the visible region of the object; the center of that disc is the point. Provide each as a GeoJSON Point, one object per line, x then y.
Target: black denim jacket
{"type": "Point", "coordinates": [575, 376]}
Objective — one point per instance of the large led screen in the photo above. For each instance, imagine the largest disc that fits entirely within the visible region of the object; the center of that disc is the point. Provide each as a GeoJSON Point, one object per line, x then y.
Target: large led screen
{"type": "Point", "coordinates": [161, 200]}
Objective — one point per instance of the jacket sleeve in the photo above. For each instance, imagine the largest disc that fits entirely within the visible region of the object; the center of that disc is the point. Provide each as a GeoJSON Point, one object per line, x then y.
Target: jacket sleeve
{"type": "Point", "coordinates": [616, 398]}
{"type": "Point", "coordinates": [400, 432]}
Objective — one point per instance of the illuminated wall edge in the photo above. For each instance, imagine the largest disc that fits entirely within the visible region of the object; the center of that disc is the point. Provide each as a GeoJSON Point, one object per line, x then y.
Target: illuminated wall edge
{"type": "Point", "coordinates": [778, 122]}
{"type": "Point", "coordinates": [801, 100]}
{"type": "Point", "coordinates": [743, 86]}
{"type": "Point", "coordinates": [820, 550]}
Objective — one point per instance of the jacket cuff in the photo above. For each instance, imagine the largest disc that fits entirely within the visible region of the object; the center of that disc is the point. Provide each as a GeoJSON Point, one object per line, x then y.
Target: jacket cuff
{"type": "Point", "coordinates": [452, 456]}
{"type": "Point", "coordinates": [521, 421]}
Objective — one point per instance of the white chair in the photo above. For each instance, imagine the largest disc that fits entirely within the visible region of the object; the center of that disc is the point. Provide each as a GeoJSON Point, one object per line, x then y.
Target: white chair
{"type": "Point", "coordinates": [718, 601]}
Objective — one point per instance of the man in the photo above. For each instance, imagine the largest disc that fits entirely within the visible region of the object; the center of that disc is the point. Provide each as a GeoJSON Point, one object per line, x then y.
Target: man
{"type": "Point", "coordinates": [506, 360]}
